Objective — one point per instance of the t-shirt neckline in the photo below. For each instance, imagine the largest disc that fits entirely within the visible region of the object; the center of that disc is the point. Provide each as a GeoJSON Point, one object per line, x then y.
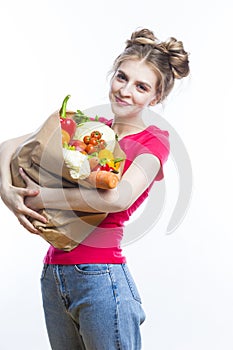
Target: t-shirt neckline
{"type": "Point", "coordinates": [130, 135]}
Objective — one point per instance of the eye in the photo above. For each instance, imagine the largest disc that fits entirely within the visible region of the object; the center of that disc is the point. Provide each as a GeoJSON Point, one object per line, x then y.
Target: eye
{"type": "Point", "coordinates": [121, 76]}
{"type": "Point", "coordinates": [141, 87]}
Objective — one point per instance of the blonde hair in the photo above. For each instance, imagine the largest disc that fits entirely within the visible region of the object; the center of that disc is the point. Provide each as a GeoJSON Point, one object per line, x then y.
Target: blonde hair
{"type": "Point", "coordinates": [168, 59]}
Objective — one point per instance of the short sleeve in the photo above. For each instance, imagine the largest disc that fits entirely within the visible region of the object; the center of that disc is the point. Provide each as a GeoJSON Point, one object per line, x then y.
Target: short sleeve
{"type": "Point", "coordinates": [156, 142]}
{"type": "Point", "coordinates": [152, 140]}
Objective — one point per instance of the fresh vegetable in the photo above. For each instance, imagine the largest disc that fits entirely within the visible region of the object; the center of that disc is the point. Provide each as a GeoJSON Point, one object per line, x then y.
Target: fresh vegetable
{"type": "Point", "coordinates": [65, 136]}
{"type": "Point", "coordinates": [91, 149]}
{"type": "Point", "coordinates": [96, 135]}
{"type": "Point", "coordinates": [88, 149]}
{"type": "Point", "coordinates": [102, 144]}
{"type": "Point", "coordinates": [80, 117]}
{"type": "Point", "coordinates": [68, 146]}
{"type": "Point", "coordinates": [77, 163]}
{"type": "Point", "coordinates": [103, 179]}
{"type": "Point", "coordinates": [93, 142]}
{"type": "Point", "coordinates": [116, 163]}
{"type": "Point", "coordinates": [103, 160]}
{"type": "Point", "coordinates": [107, 134]}
{"type": "Point", "coordinates": [106, 153]}
{"type": "Point", "coordinates": [67, 124]}
{"type": "Point", "coordinates": [78, 145]}
{"type": "Point", "coordinates": [104, 167]}
{"type": "Point", "coordinates": [87, 139]}
{"type": "Point", "coordinates": [108, 162]}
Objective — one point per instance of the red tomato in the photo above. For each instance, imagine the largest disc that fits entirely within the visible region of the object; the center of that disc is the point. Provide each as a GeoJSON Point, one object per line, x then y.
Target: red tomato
{"type": "Point", "coordinates": [86, 139]}
{"type": "Point", "coordinates": [91, 149]}
{"type": "Point", "coordinates": [96, 134]}
{"type": "Point", "coordinates": [102, 144]}
{"type": "Point", "coordinates": [93, 141]}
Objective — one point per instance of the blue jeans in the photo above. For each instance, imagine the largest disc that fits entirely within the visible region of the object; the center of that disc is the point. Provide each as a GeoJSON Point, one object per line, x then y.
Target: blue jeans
{"type": "Point", "coordinates": [91, 307]}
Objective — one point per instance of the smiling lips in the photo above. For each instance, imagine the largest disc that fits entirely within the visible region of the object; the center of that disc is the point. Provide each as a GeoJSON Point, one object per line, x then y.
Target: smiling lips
{"type": "Point", "coordinates": [121, 102]}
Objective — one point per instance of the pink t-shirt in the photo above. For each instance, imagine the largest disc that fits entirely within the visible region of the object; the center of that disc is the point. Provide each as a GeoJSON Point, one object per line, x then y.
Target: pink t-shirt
{"type": "Point", "coordinates": [103, 245]}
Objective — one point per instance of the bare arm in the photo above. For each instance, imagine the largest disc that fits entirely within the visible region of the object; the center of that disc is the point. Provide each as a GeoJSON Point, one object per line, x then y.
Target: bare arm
{"type": "Point", "coordinates": [7, 149]}
{"type": "Point", "coordinates": [13, 197]}
{"type": "Point", "coordinates": [134, 182]}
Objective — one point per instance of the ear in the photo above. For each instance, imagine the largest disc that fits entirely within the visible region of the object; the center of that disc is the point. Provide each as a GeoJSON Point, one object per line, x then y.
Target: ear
{"type": "Point", "coordinates": [153, 101]}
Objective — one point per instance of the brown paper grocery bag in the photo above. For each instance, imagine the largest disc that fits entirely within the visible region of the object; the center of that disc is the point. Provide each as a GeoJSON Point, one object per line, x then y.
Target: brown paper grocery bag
{"type": "Point", "coordinates": [41, 158]}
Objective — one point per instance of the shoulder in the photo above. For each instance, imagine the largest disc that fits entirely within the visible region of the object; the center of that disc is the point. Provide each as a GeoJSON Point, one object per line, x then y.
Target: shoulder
{"type": "Point", "coordinates": [151, 140]}
{"type": "Point", "coordinates": [156, 141]}
{"type": "Point", "coordinates": [153, 132]}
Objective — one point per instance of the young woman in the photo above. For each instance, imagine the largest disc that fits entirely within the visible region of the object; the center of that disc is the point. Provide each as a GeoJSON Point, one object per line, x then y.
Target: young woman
{"type": "Point", "coordinates": [89, 296]}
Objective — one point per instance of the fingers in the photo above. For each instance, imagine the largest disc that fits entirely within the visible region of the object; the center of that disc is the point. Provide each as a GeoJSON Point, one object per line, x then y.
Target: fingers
{"type": "Point", "coordinates": [33, 214]}
{"type": "Point", "coordinates": [28, 191]}
{"type": "Point", "coordinates": [23, 212]}
{"type": "Point", "coordinates": [24, 216]}
{"type": "Point", "coordinates": [27, 224]}
{"type": "Point", "coordinates": [23, 175]}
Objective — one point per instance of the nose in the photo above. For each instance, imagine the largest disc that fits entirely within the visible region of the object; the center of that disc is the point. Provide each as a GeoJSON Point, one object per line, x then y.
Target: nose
{"type": "Point", "coordinates": [126, 90]}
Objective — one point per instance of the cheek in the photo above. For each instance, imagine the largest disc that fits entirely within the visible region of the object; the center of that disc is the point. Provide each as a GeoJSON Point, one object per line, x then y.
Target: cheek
{"type": "Point", "coordinates": [115, 86]}
{"type": "Point", "coordinates": [112, 88]}
{"type": "Point", "coordinates": [140, 100]}
{"type": "Point", "coordinates": [145, 99]}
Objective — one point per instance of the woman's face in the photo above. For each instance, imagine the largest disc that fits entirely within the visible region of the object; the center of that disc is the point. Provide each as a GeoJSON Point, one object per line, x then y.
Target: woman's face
{"type": "Point", "coordinates": [133, 88]}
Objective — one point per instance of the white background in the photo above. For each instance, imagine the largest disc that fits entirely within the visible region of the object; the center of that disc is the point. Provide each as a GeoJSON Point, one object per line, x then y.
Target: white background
{"type": "Point", "coordinates": [55, 47]}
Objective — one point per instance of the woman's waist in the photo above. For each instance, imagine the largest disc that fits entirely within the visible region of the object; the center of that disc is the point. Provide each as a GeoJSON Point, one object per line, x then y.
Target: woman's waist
{"type": "Point", "coordinates": [84, 254]}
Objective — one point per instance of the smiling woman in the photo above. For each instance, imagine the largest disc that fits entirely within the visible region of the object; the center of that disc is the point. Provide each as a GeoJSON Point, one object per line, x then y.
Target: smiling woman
{"type": "Point", "coordinates": [133, 88]}
{"type": "Point", "coordinates": [89, 296]}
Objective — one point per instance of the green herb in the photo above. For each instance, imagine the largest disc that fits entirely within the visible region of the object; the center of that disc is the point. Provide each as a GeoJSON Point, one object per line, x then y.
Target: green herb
{"type": "Point", "coordinates": [79, 117]}
{"type": "Point", "coordinates": [117, 160]}
{"type": "Point", "coordinates": [66, 146]}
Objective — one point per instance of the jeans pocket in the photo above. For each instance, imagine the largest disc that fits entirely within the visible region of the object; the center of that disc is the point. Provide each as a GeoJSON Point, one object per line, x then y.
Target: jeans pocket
{"type": "Point", "coordinates": [92, 269]}
{"type": "Point", "coordinates": [131, 283]}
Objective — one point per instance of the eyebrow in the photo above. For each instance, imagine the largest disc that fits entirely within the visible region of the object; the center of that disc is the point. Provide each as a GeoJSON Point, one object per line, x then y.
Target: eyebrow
{"type": "Point", "coordinates": [140, 82]}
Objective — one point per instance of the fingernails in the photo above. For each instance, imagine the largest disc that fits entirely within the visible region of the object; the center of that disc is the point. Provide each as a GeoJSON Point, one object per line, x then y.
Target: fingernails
{"type": "Point", "coordinates": [43, 219]}
{"type": "Point", "coordinates": [32, 192]}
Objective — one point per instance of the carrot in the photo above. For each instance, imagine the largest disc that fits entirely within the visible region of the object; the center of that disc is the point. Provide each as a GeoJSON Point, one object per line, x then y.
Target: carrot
{"type": "Point", "coordinates": [102, 179]}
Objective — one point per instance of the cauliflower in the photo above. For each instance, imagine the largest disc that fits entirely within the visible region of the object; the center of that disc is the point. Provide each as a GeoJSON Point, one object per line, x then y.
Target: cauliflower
{"type": "Point", "coordinates": [77, 163]}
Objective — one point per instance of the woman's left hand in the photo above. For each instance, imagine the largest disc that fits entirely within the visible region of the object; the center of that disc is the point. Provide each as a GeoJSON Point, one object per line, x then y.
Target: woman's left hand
{"type": "Point", "coordinates": [34, 203]}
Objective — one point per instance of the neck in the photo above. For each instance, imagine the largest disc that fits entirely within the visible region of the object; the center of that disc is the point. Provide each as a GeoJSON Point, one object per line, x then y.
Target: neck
{"type": "Point", "coordinates": [123, 127]}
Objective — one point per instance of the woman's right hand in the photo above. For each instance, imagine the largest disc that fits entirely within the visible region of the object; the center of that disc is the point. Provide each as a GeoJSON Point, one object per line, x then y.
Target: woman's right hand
{"type": "Point", "coordinates": [14, 197]}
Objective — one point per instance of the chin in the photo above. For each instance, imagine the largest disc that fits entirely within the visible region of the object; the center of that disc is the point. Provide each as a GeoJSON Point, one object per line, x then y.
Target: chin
{"type": "Point", "coordinates": [122, 111]}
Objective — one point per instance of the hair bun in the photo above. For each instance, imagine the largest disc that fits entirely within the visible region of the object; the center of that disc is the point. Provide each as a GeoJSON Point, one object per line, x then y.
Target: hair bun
{"type": "Point", "coordinates": [143, 33]}
{"type": "Point", "coordinates": [143, 37]}
{"type": "Point", "coordinates": [172, 48]}
{"type": "Point", "coordinates": [178, 57]}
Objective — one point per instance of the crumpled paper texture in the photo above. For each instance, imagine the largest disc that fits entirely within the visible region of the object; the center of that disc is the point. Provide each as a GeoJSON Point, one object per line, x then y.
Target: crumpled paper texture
{"type": "Point", "coordinates": [41, 158]}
